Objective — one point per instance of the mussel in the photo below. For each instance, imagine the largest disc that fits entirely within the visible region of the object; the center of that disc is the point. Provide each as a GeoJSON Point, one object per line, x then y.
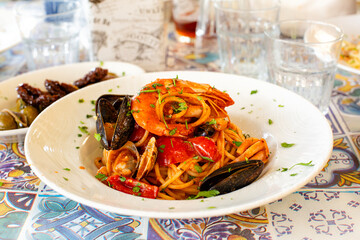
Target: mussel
{"type": "Point", "coordinates": [233, 176]}
{"type": "Point", "coordinates": [114, 121]}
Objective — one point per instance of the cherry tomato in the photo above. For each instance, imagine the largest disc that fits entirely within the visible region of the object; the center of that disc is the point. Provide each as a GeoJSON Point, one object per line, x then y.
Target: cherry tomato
{"type": "Point", "coordinates": [137, 133]}
{"type": "Point", "coordinates": [206, 148]}
{"type": "Point", "coordinates": [173, 150]}
{"type": "Point", "coordinates": [133, 186]}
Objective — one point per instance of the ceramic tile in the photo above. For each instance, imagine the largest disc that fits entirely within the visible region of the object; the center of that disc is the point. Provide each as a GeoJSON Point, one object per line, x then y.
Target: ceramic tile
{"type": "Point", "coordinates": [342, 170]}
{"type": "Point", "coordinates": [14, 209]}
{"type": "Point", "coordinates": [249, 225]}
{"type": "Point", "coordinates": [15, 172]}
{"type": "Point", "coordinates": [60, 218]}
{"type": "Point", "coordinates": [316, 215]}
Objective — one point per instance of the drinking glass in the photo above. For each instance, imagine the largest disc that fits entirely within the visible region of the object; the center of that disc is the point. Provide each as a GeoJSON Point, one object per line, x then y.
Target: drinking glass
{"type": "Point", "coordinates": [50, 30]}
{"type": "Point", "coordinates": [185, 15]}
{"type": "Point", "coordinates": [302, 56]}
{"type": "Point", "coordinates": [240, 26]}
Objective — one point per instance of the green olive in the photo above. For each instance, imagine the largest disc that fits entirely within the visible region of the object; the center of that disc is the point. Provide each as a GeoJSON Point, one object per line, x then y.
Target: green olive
{"type": "Point", "coordinates": [30, 112]}
{"type": "Point", "coordinates": [7, 122]}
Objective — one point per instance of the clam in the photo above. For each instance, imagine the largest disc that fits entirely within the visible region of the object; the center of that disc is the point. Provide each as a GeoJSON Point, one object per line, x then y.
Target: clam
{"type": "Point", "coordinates": [114, 121]}
{"type": "Point", "coordinates": [233, 176]}
{"type": "Point", "coordinates": [148, 159]}
{"type": "Point", "coordinates": [123, 161]}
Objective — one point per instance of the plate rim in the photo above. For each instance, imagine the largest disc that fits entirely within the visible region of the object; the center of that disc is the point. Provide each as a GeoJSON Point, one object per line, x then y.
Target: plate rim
{"type": "Point", "coordinates": [208, 213]}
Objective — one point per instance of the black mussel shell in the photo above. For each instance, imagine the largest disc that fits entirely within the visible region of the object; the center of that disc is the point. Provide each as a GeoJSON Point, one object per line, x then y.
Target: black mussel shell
{"type": "Point", "coordinates": [204, 130]}
{"type": "Point", "coordinates": [114, 109]}
{"type": "Point", "coordinates": [233, 176]}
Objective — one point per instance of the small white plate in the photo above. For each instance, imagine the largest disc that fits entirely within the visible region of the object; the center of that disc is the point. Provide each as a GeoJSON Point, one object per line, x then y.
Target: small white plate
{"type": "Point", "coordinates": [351, 29]}
{"type": "Point", "coordinates": [52, 145]}
{"type": "Point", "coordinates": [65, 73]}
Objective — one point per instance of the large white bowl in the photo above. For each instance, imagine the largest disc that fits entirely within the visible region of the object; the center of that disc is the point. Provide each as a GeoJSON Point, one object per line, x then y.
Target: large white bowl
{"type": "Point", "coordinates": [64, 73]}
{"type": "Point", "coordinates": [52, 145]}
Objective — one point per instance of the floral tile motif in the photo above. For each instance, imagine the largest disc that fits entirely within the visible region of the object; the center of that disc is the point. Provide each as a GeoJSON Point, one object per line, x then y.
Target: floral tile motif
{"type": "Point", "coordinates": [247, 225]}
{"type": "Point", "coordinates": [14, 208]}
{"type": "Point", "coordinates": [346, 96]}
{"type": "Point", "coordinates": [15, 172]}
{"type": "Point", "coordinates": [61, 218]}
{"type": "Point", "coordinates": [342, 170]}
{"type": "Point", "coordinates": [315, 215]}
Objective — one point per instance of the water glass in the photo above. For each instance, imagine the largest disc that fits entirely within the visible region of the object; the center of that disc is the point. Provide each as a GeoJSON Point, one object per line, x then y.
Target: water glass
{"type": "Point", "coordinates": [240, 26]}
{"type": "Point", "coordinates": [302, 56]}
{"type": "Point", "coordinates": [50, 30]}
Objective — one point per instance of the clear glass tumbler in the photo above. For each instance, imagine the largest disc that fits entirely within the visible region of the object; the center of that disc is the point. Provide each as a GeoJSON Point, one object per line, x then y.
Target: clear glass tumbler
{"type": "Point", "coordinates": [50, 30]}
{"type": "Point", "coordinates": [240, 26]}
{"type": "Point", "coordinates": [302, 56]}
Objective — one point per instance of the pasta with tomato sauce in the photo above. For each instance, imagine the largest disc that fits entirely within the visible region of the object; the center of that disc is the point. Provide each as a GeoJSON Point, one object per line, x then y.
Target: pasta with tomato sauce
{"type": "Point", "coordinates": [176, 138]}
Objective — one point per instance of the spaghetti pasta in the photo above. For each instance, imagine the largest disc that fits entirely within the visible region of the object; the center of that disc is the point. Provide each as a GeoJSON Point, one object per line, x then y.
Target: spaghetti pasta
{"type": "Point", "coordinates": [194, 137]}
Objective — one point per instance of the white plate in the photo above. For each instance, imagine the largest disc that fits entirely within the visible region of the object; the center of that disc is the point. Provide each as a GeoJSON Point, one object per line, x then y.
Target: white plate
{"type": "Point", "coordinates": [52, 141]}
{"type": "Point", "coordinates": [351, 29]}
{"type": "Point", "coordinates": [65, 73]}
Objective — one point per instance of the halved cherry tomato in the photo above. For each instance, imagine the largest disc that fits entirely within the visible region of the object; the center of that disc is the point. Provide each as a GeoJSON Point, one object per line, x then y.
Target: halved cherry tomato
{"type": "Point", "coordinates": [137, 133]}
{"type": "Point", "coordinates": [173, 150]}
{"type": "Point", "coordinates": [133, 186]}
{"type": "Point", "coordinates": [206, 148]}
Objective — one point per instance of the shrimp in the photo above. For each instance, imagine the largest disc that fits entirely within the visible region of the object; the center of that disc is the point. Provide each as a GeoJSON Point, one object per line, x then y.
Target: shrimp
{"type": "Point", "coordinates": [174, 107]}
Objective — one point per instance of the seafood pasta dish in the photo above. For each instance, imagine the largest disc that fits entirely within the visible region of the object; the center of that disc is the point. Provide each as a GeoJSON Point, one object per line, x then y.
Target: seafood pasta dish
{"type": "Point", "coordinates": [174, 140]}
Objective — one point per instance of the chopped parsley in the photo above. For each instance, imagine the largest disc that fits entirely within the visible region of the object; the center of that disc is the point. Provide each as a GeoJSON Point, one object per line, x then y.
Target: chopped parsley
{"type": "Point", "coordinates": [207, 194]}
{"type": "Point", "coordinates": [172, 132]}
{"type": "Point", "coordinates": [101, 177]}
{"type": "Point", "coordinates": [89, 115]}
{"type": "Point", "coordinates": [280, 105]}
{"type": "Point", "coordinates": [198, 168]}
{"type": "Point", "coordinates": [213, 121]}
{"type": "Point", "coordinates": [122, 179]}
{"type": "Point", "coordinates": [66, 179]}
{"type": "Point", "coordinates": [101, 63]}
{"type": "Point", "coordinates": [110, 90]}
{"type": "Point", "coordinates": [156, 85]}
{"type": "Point", "coordinates": [181, 107]}
{"type": "Point", "coordinates": [237, 143]}
{"type": "Point", "coordinates": [123, 73]}
{"type": "Point", "coordinates": [152, 105]}
{"type": "Point", "coordinates": [81, 100]}
{"type": "Point", "coordinates": [253, 92]}
{"type": "Point", "coordinates": [161, 148]}
{"type": "Point", "coordinates": [83, 129]}
{"type": "Point", "coordinates": [287, 145]}
{"type": "Point", "coordinates": [97, 137]}
{"type": "Point", "coordinates": [270, 121]}
{"type": "Point", "coordinates": [207, 158]}
{"type": "Point", "coordinates": [309, 164]}
{"type": "Point", "coordinates": [136, 189]}
{"type": "Point", "coordinates": [186, 124]}
{"type": "Point", "coordinates": [93, 102]}
{"type": "Point", "coordinates": [66, 169]}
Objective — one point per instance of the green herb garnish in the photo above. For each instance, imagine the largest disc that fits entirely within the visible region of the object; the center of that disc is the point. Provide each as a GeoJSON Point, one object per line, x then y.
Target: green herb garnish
{"type": "Point", "coordinates": [287, 145]}
{"type": "Point", "coordinates": [206, 194]}
{"type": "Point", "coordinates": [237, 143]}
{"type": "Point", "coordinates": [253, 92]}
{"type": "Point", "coordinates": [101, 177]}
{"type": "Point", "coordinates": [97, 137]}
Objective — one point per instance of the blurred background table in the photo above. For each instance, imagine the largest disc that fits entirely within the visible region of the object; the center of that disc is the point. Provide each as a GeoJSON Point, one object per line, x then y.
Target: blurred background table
{"type": "Point", "coordinates": [326, 208]}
